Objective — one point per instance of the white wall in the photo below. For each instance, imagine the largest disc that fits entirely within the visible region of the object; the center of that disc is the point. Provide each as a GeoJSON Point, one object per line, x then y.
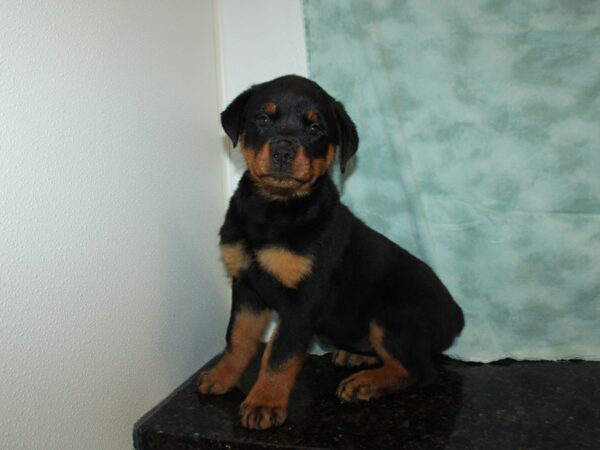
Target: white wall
{"type": "Point", "coordinates": [111, 194]}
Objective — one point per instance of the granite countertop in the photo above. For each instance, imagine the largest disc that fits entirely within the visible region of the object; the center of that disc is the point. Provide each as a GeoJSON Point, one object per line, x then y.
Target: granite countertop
{"type": "Point", "coordinates": [503, 405]}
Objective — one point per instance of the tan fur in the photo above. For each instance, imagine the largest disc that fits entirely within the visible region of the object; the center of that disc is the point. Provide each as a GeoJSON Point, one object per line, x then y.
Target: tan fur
{"type": "Point", "coordinates": [266, 403]}
{"type": "Point", "coordinates": [259, 163]}
{"type": "Point", "coordinates": [305, 171]}
{"type": "Point", "coordinates": [373, 383]}
{"type": "Point", "coordinates": [270, 108]}
{"type": "Point", "coordinates": [235, 258]}
{"type": "Point", "coordinates": [246, 334]}
{"type": "Point", "coordinates": [287, 267]}
{"type": "Point", "coordinates": [320, 166]}
{"type": "Point", "coordinates": [376, 338]}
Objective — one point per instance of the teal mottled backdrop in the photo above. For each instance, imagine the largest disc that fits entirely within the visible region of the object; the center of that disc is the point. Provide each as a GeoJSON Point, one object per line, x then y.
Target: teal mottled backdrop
{"type": "Point", "coordinates": [480, 152]}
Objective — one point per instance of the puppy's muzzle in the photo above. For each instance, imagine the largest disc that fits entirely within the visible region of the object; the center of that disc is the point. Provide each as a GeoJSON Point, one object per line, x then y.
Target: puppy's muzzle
{"type": "Point", "coordinates": [283, 151]}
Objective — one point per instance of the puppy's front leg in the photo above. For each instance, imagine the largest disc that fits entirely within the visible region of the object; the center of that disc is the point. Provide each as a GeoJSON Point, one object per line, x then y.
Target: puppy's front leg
{"type": "Point", "coordinates": [266, 403]}
{"type": "Point", "coordinates": [246, 328]}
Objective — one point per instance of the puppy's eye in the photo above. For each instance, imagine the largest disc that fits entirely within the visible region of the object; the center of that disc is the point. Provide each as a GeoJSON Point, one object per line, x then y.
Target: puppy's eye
{"type": "Point", "coordinates": [263, 119]}
{"type": "Point", "coordinates": [315, 128]}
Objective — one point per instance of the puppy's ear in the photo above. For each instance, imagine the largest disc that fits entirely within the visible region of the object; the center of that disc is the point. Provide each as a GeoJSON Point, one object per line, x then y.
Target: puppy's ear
{"type": "Point", "coordinates": [232, 119]}
{"type": "Point", "coordinates": [348, 137]}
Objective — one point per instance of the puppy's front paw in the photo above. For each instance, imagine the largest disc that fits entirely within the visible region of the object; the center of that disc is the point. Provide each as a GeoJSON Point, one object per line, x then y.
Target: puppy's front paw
{"type": "Point", "coordinates": [216, 382]}
{"type": "Point", "coordinates": [260, 416]}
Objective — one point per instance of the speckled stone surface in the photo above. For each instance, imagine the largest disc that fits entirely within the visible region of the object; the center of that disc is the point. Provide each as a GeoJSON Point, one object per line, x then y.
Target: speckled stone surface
{"type": "Point", "coordinates": [505, 405]}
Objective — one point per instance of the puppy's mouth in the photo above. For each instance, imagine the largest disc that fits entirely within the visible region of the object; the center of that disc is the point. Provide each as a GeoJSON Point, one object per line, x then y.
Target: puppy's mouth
{"type": "Point", "coordinates": [282, 180]}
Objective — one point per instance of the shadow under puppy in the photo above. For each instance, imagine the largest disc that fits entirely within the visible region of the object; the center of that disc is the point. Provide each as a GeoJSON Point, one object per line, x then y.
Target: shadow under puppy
{"type": "Point", "coordinates": [290, 245]}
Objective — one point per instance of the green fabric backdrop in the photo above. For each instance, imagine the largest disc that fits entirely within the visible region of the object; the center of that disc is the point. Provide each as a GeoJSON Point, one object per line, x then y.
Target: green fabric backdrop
{"type": "Point", "coordinates": [480, 152]}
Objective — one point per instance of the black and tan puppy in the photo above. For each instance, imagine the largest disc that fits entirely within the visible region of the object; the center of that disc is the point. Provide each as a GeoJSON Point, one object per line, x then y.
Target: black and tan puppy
{"type": "Point", "coordinates": [289, 245]}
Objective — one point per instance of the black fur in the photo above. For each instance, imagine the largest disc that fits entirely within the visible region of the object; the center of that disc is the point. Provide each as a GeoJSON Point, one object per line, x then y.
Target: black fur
{"type": "Point", "coordinates": [358, 276]}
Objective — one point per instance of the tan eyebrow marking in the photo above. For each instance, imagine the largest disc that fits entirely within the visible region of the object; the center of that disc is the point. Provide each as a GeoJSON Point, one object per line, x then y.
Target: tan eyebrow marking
{"type": "Point", "coordinates": [270, 108]}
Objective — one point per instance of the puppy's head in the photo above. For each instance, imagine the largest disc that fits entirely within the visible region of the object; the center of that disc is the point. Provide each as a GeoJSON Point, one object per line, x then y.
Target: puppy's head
{"type": "Point", "coordinates": [289, 129]}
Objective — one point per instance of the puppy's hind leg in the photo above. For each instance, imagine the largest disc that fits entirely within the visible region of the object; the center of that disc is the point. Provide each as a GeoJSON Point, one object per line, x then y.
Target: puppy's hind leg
{"type": "Point", "coordinates": [371, 384]}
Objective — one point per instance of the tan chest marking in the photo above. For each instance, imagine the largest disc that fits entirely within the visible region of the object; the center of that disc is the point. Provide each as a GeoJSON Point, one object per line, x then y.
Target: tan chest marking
{"type": "Point", "coordinates": [235, 258]}
{"type": "Point", "coordinates": [287, 267]}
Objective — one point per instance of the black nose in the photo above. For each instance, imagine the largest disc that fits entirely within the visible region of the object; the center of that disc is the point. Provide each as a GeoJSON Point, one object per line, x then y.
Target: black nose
{"type": "Point", "coordinates": [282, 156]}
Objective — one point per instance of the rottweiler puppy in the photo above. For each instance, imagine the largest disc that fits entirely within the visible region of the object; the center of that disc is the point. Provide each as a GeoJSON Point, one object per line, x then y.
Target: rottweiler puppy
{"type": "Point", "coordinates": [291, 246]}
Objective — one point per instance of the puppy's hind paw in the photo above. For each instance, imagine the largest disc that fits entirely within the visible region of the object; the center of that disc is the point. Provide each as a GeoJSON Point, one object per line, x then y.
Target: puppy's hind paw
{"type": "Point", "coordinates": [343, 358]}
{"type": "Point", "coordinates": [371, 384]}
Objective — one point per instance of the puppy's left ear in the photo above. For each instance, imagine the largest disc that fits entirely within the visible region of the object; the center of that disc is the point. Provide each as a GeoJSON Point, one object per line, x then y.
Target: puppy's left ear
{"type": "Point", "coordinates": [348, 137]}
{"type": "Point", "coordinates": [232, 119]}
